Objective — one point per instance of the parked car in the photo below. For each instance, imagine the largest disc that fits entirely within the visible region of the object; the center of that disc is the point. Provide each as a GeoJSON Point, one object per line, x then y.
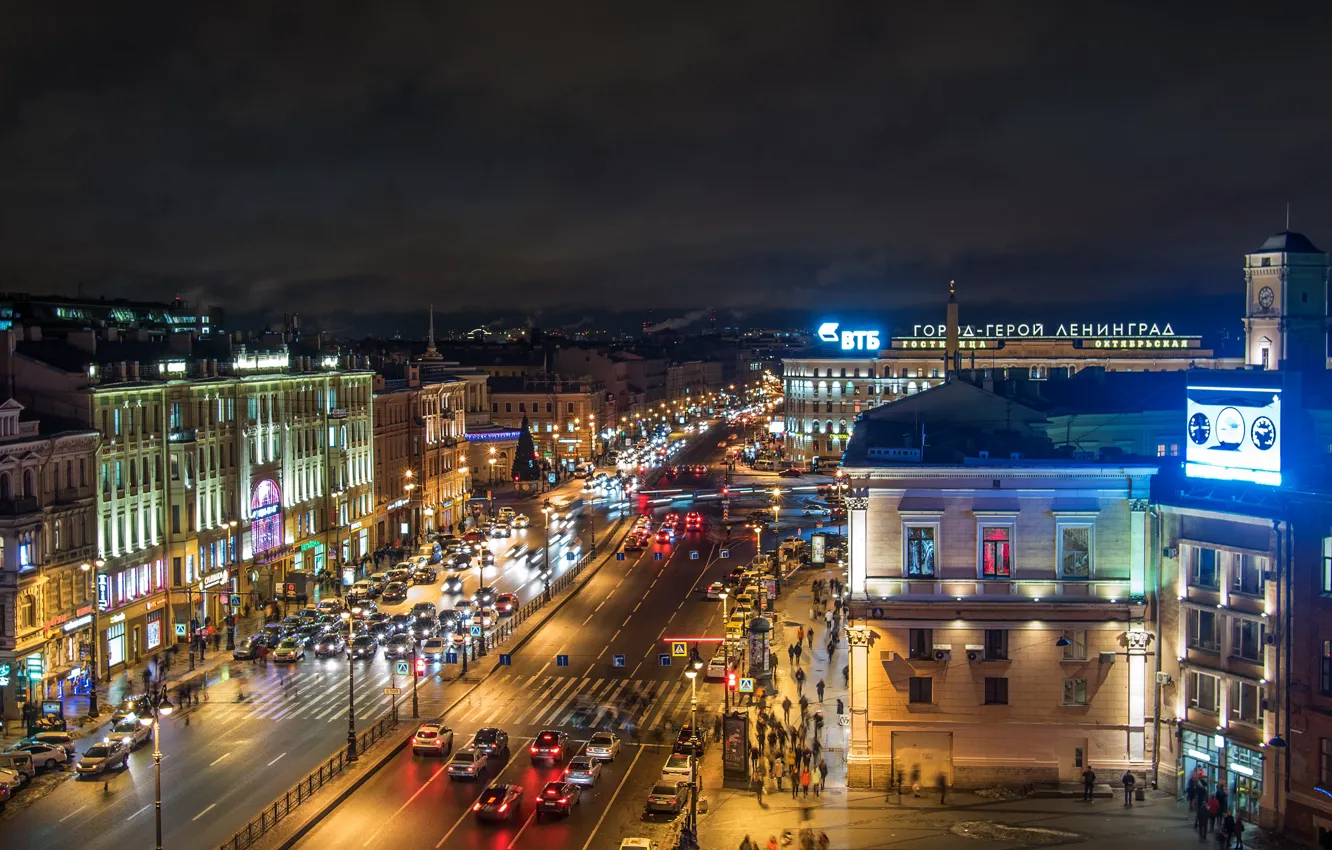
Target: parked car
{"type": "Point", "coordinates": [59, 739]}
{"type": "Point", "coordinates": [46, 756]}
{"type": "Point", "coordinates": [668, 797]}
{"type": "Point", "coordinates": [20, 763]}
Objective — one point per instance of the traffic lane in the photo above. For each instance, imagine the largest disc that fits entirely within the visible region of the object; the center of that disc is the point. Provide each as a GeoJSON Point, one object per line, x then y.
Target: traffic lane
{"type": "Point", "coordinates": [619, 805]}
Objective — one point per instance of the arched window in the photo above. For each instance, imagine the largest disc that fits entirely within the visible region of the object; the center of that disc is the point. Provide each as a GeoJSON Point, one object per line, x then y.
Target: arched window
{"type": "Point", "coordinates": [842, 430]}
{"type": "Point", "coordinates": [843, 373]}
{"type": "Point", "coordinates": [836, 386]}
{"type": "Point", "coordinates": [817, 429]}
{"type": "Point", "coordinates": [887, 371]}
{"type": "Point", "coordinates": [5, 487]}
{"type": "Point", "coordinates": [857, 373]}
{"type": "Point", "coordinates": [850, 388]}
{"type": "Point", "coordinates": [29, 483]}
{"type": "Point", "coordinates": [829, 426]}
{"type": "Point", "coordinates": [911, 387]}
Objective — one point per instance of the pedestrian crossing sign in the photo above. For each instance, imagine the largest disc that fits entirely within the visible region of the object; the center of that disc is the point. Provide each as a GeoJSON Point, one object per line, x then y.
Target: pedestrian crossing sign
{"type": "Point", "coordinates": [656, 556]}
{"type": "Point", "coordinates": [725, 553]}
{"type": "Point", "coordinates": [693, 554]}
{"type": "Point", "coordinates": [450, 658]}
{"type": "Point", "coordinates": [619, 556]}
{"type": "Point", "coordinates": [180, 630]}
{"type": "Point", "coordinates": [746, 686]}
{"type": "Point", "coordinates": [679, 649]}
{"type": "Point", "coordinates": [561, 661]}
{"type": "Point", "coordinates": [404, 669]}
{"type": "Point", "coordinates": [476, 631]}
{"type": "Point", "coordinates": [505, 659]}
{"type": "Point", "coordinates": [617, 660]}
{"type": "Point", "coordinates": [663, 660]}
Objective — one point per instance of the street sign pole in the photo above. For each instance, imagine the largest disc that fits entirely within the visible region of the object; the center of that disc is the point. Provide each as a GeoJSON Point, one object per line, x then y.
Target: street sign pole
{"type": "Point", "coordinates": [393, 698]}
{"type": "Point", "coordinates": [416, 707]}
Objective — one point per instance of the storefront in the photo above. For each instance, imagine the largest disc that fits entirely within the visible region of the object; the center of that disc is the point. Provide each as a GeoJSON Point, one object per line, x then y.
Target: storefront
{"type": "Point", "coordinates": [1240, 767]}
{"type": "Point", "coordinates": [154, 631]}
{"type": "Point", "coordinates": [115, 642]}
{"type": "Point", "coordinates": [1199, 750]}
{"type": "Point", "coordinates": [309, 557]}
{"type": "Point", "coordinates": [1245, 781]}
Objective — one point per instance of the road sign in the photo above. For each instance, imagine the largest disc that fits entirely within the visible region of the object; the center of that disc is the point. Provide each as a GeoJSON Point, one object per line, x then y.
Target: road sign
{"type": "Point", "coordinates": [476, 631]}
{"type": "Point", "coordinates": [392, 691]}
{"type": "Point", "coordinates": [235, 600]}
{"type": "Point", "coordinates": [561, 661]}
{"type": "Point", "coordinates": [725, 553]}
{"type": "Point", "coordinates": [617, 660]}
{"type": "Point", "coordinates": [505, 659]}
{"type": "Point", "coordinates": [746, 686]}
{"type": "Point", "coordinates": [450, 658]}
{"type": "Point", "coordinates": [663, 660]}
{"type": "Point", "coordinates": [568, 556]}
{"type": "Point", "coordinates": [656, 556]}
{"type": "Point", "coordinates": [679, 649]}
{"type": "Point", "coordinates": [404, 668]}
{"type": "Point", "coordinates": [693, 554]}
{"type": "Point", "coordinates": [181, 629]}
{"type": "Point", "coordinates": [619, 556]}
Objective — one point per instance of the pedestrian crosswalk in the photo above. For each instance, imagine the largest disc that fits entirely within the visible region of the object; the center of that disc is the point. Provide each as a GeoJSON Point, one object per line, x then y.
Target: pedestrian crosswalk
{"type": "Point", "coordinates": [306, 691]}
{"type": "Point", "coordinates": [588, 702]}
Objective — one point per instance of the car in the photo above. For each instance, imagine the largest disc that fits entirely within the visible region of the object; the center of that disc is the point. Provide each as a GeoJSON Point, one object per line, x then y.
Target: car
{"type": "Point", "coordinates": [500, 530]}
{"type": "Point", "coordinates": [474, 536]}
{"type": "Point", "coordinates": [467, 763]}
{"type": "Point", "coordinates": [638, 844]}
{"type": "Point", "coordinates": [132, 732]}
{"type": "Point", "coordinates": [694, 521]}
{"type": "Point", "coordinates": [434, 649]}
{"type": "Point", "coordinates": [394, 591]}
{"type": "Point", "coordinates": [789, 472]}
{"type": "Point", "coordinates": [548, 746]}
{"type": "Point", "coordinates": [58, 739]}
{"type": "Point", "coordinates": [363, 646]}
{"type": "Point", "coordinates": [487, 558]}
{"type": "Point", "coordinates": [329, 644]}
{"type": "Point", "coordinates": [498, 802]}
{"type": "Point", "coordinates": [491, 741]}
{"type": "Point", "coordinates": [307, 634]}
{"type": "Point", "coordinates": [400, 573]}
{"type": "Point", "coordinates": [678, 768]}
{"type": "Point", "coordinates": [604, 746]}
{"type": "Point", "coordinates": [381, 626]}
{"type": "Point", "coordinates": [329, 606]}
{"type": "Point", "coordinates": [247, 648]}
{"type": "Point", "coordinates": [432, 738]}
{"type": "Point", "coordinates": [107, 754]}
{"type": "Point", "coordinates": [363, 609]}
{"type": "Point", "coordinates": [716, 667]}
{"type": "Point", "coordinates": [424, 609]}
{"type": "Point", "coordinates": [452, 584]}
{"type": "Point", "coordinates": [363, 589]}
{"type": "Point", "coordinates": [672, 519]}
{"type": "Point", "coordinates": [425, 575]}
{"type": "Point", "coordinates": [399, 646]}
{"type": "Point", "coordinates": [689, 741]}
{"type": "Point", "coordinates": [423, 627]}
{"type": "Point", "coordinates": [506, 514]}
{"type": "Point", "coordinates": [307, 616]}
{"type": "Point", "coordinates": [583, 770]}
{"type": "Point", "coordinates": [132, 705]}
{"type": "Point", "coordinates": [464, 610]}
{"type": "Point", "coordinates": [47, 756]}
{"type": "Point", "coordinates": [290, 650]}
{"type": "Point", "coordinates": [815, 511]}
{"type": "Point", "coordinates": [667, 797]}
{"type": "Point", "coordinates": [715, 590]}
{"type": "Point", "coordinates": [558, 798]}
{"type": "Point", "coordinates": [486, 617]}
{"type": "Point", "coordinates": [485, 596]}
{"type": "Point", "coordinates": [636, 541]}
{"type": "Point", "coordinates": [401, 623]}
{"type": "Point", "coordinates": [665, 534]}
{"type": "Point", "coordinates": [521, 521]}
{"type": "Point", "coordinates": [5, 794]}
{"type": "Point", "coordinates": [461, 563]}
{"type": "Point", "coordinates": [12, 781]}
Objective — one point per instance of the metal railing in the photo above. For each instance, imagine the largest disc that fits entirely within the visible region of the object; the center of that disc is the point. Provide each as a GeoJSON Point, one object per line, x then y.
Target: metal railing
{"type": "Point", "coordinates": [300, 793]}
{"type": "Point", "coordinates": [505, 630]}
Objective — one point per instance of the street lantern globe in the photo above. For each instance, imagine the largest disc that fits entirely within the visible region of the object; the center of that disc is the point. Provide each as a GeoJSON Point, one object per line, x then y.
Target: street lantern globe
{"type": "Point", "coordinates": [165, 708]}
{"type": "Point", "coordinates": [145, 721]}
{"type": "Point", "coordinates": [691, 673]}
{"type": "Point", "coordinates": [698, 664]}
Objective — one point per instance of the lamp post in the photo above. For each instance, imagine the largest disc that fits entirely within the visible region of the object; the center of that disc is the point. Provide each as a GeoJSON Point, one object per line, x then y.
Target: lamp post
{"type": "Point", "coordinates": [726, 653]}
{"type": "Point", "coordinates": [693, 764]}
{"type": "Point", "coordinates": [92, 654]}
{"type": "Point", "coordinates": [416, 706]}
{"type": "Point", "coordinates": [161, 706]}
{"type": "Point", "coordinates": [491, 461]}
{"type": "Point", "coordinates": [407, 492]}
{"type": "Point", "coordinates": [351, 685]}
{"type": "Point", "coordinates": [776, 537]}
{"type": "Point", "coordinates": [545, 552]}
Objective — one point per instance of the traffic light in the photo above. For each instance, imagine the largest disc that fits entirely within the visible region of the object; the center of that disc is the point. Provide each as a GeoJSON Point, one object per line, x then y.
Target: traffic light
{"type": "Point", "coordinates": [420, 666]}
{"type": "Point", "coordinates": [731, 681]}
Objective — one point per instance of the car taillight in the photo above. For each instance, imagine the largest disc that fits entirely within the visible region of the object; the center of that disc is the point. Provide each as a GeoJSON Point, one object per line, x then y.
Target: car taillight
{"type": "Point", "coordinates": [564, 799]}
{"type": "Point", "coordinates": [534, 749]}
{"type": "Point", "coordinates": [476, 808]}
{"type": "Point", "coordinates": [504, 807]}
{"type": "Point", "coordinates": [557, 751]}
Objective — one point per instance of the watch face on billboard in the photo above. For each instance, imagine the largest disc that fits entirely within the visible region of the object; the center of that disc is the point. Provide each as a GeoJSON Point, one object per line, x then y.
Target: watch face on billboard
{"type": "Point", "coordinates": [1234, 431]}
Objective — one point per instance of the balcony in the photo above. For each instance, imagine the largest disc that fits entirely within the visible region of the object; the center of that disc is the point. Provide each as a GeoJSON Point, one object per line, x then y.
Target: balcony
{"type": "Point", "coordinates": [1012, 591]}
{"type": "Point", "coordinates": [21, 506]}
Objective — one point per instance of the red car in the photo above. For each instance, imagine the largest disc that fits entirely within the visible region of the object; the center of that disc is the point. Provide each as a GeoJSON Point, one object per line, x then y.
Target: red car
{"type": "Point", "coordinates": [506, 603]}
{"type": "Point", "coordinates": [665, 535]}
{"type": "Point", "coordinates": [474, 536]}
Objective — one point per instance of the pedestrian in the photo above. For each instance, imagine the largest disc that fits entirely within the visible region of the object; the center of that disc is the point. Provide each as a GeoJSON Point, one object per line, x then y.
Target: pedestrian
{"type": "Point", "coordinates": [818, 724]}
{"type": "Point", "coordinates": [810, 636]}
{"type": "Point", "coordinates": [813, 615]}
{"type": "Point", "coordinates": [832, 645]}
{"type": "Point", "coordinates": [1227, 829]}
{"type": "Point", "coordinates": [1200, 820]}
{"type": "Point", "coordinates": [746, 844]}
{"type": "Point", "coordinates": [1191, 794]}
{"type": "Point", "coordinates": [1088, 781]}
{"type": "Point", "coordinates": [790, 654]}
{"type": "Point", "coordinates": [915, 780]}
{"type": "Point", "coordinates": [800, 680]}
{"type": "Point", "coordinates": [805, 780]}
{"type": "Point", "coordinates": [795, 781]}
{"type": "Point", "coordinates": [1213, 812]}
{"type": "Point", "coordinates": [818, 780]}
{"type": "Point", "coordinates": [941, 782]}
{"type": "Point", "coordinates": [804, 706]}
{"type": "Point", "coordinates": [823, 774]}
{"type": "Point", "coordinates": [1239, 830]}
{"type": "Point", "coordinates": [828, 618]}
{"type": "Point", "coordinates": [772, 843]}
{"type": "Point", "coordinates": [800, 635]}
{"type": "Point", "coordinates": [778, 771]}
{"type": "Point", "coordinates": [1222, 799]}
{"type": "Point", "coordinates": [1128, 781]}
{"type": "Point", "coordinates": [818, 686]}
{"type": "Point", "coordinates": [786, 710]}
{"type": "Point", "coordinates": [717, 729]}
{"type": "Point", "coordinates": [799, 650]}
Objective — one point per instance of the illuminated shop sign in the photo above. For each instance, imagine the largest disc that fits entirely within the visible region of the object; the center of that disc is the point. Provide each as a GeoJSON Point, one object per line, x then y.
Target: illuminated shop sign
{"type": "Point", "coordinates": [256, 361]}
{"type": "Point", "coordinates": [77, 623]}
{"type": "Point", "coordinates": [1037, 330]}
{"type": "Point", "coordinates": [103, 592]}
{"type": "Point", "coordinates": [494, 436]}
{"type": "Point", "coordinates": [398, 503]}
{"type": "Point", "coordinates": [1233, 426]}
{"type": "Point", "coordinates": [1110, 342]}
{"type": "Point", "coordinates": [853, 340]}
{"type": "Point", "coordinates": [214, 579]}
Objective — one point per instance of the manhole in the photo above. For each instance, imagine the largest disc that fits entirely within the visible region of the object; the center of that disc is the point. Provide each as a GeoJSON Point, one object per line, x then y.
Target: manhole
{"type": "Point", "coordinates": [1029, 835]}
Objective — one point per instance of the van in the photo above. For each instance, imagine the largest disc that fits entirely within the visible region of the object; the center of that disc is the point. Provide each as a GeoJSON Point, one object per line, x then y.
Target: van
{"type": "Point", "coordinates": [20, 763]}
{"type": "Point", "coordinates": [765, 464]}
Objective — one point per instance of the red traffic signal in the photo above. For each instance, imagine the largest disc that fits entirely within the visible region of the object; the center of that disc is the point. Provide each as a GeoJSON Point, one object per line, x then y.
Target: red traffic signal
{"type": "Point", "coordinates": [420, 666]}
{"type": "Point", "coordinates": [731, 681]}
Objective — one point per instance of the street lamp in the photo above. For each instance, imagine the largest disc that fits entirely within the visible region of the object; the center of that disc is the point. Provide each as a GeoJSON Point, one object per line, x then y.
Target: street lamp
{"type": "Point", "coordinates": [491, 461]}
{"type": "Point", "coordinates": [161, 706]}
{"type": "Point", "coordinates": [545, 552]}
{"type": "Point", "coordinates": [693, 765]}
{"type": "Point", "coordinates": [351, 685]}
{"type": "Point", "coordinates": [726, 652]}
{"type": "Point", "coordinates": [92, 657]}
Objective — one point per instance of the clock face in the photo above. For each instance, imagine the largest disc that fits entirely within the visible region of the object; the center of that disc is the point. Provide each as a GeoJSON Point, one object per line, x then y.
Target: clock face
{"type": "Point", "coordinates": [1266, 298]}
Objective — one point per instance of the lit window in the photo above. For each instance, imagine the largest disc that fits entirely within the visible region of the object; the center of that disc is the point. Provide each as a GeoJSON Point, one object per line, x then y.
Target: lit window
{"type": "Point", "coordinates": [1074, 557]}
{"type": "Point", "coordinates": [1203, 692]}
{"type": "Point", "coordinates": [920, 540]}
{"type": "Point", "coordinates": [996, 551]}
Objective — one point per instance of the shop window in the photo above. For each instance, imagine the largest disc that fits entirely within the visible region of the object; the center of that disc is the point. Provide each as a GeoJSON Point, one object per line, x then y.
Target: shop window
{"type": "Point", "coordinates": [1246, 639]}
{"type": "Point", "coordinates": [1077, 645]}
{"type": "Point", "coordinates": [996, 551]}
{"type": "Point", "coordinates": [1075, 692]}
{"type": "Point", "coordinates": [920, 644]}
{"type": "Point", "coordinates": [1246, 574]}
{"type": "Point", "coordinates": [996, 644]}
{"type": "Point", "coordinates": [996, 690]}
{"type": "Point", "coordinates": [1074, 555]}
{"type": "Point", "coordinates": [1203, 692]}
{"type": "Point", "coordinates": [1202, 630]}
{"type": "Point", "coordinates": [1202, 567]}
{"type": "Point", "coordinates": [1243, 702]}
{"type": "Point", "coordinates": [919, 557]}
{"type": "Point", "coordinates": [920, 689]}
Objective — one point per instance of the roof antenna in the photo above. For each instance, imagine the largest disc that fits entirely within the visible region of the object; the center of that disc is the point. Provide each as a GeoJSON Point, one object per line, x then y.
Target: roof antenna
{"type": "Point", "coordinates": [1287, 216]}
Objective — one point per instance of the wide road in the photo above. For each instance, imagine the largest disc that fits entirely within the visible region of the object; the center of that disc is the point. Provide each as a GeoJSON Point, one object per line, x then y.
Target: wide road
{"type": "Point", "coordinates": [226, 759]}
{"type": "Point", "coordinates": [630, 608]}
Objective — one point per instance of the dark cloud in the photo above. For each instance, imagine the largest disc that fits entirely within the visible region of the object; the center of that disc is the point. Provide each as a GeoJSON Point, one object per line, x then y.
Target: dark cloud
{"type": "Point", "coordinates": [348, 159]}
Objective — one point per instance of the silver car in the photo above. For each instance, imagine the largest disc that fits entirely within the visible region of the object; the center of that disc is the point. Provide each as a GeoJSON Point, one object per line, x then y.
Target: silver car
{"type": "Point", "coordinates": [667, 797]}
{"type": "Point", "coordinates": [583, 770]}
{"type": "Point", "coordinates": [604, 746]}
{"type": "Point", "coordinates": [99, 758]}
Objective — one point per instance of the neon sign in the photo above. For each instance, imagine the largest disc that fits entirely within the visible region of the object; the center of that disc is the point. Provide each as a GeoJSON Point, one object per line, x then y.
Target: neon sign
{"type": "Point", "coordinates": [858, 340]}
{"type": "Point", "coordinates": [1234, 428]}
{"type": "Point", "coordinates": [265, 516]}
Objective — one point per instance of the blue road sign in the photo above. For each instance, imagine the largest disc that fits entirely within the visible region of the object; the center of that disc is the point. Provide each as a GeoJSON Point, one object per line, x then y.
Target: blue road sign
{"type": "Point", "coordinates": [505, 659]}
{"type": "Point", "coordinates": [561, 661]}
{"type": "Point", "coordinates": [619, 556]}
{"type": "Point", "coordinates": [450, 658]}
{"type": "Point", "coordinates": [404, 669]}
{"type": "Point", "coordinates": [476, 631]}
{"type": "Point", "coordinates": [693, 554]}
{"type": "Point", "coordinates": [617, 660]}
{"type": "Point", "coordinates": [656, 556]}
{"type": "Point", "coordinates": [568, 556]}
{"type": "Point", "coordinates": [664, 659]}
{"type": "Point", "coordinates": [725, 553]}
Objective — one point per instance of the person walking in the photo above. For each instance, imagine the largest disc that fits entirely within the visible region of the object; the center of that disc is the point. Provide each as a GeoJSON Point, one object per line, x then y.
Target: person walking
{"type": "Point", "coordinates": [828, 618]}
{"type": "Point", "coordinates": [804, 706]}
{"type": "Point", "coordinates": [1222, 800]}
{"type": "Point", "coordinates": [915, 780]}
{"type": "Point", "coordinates": [1227, 830]}
{"type": "Point", "coordinates": [805, 780]}
{"type": "Point", "coordinates": [941, 782]}
{"type": "Point", "coordinates": [846, 675]}
{"type": "Point", "coordinates": [778, 771]}
{"type": "Point", "coordinates": [818, 687]}
{"type": "Point", "coordinates": [1089, 780]}
{"type": "Point", "coordinates": [1213, 812]}
{"type": "Point", "coordinates": [823, 774]}
{"type": "Point", "coordinates": [786, 710]}
{"type": "Point", "coordinates": [795, 781]}
{"type": "Point", "coordinates": [800, 635]}
{"type": "Point", "coordinates": [1191, 793]}
{"type": "Point", "coordinates": [1239, 830]}
{"type": "Point", "coordinates": [809, 635]}
{"type": "Point", "coordinates": [799, 650]}
{"type": "Point", "coordinates": [790, 654]}
{"type": "Point", "coordinates": [1200, 821]}
{"type": "Point", "coordinates": [1128, 781]}
{"type": "Point", "coordinates": [800, 680]}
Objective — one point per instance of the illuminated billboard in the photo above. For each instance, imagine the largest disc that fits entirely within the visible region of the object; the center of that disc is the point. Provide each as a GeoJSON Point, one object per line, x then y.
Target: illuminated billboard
{"type": "Point", "coordinates": [1233, 424]}
{"type": "Point", "coordinates": [854, 340]}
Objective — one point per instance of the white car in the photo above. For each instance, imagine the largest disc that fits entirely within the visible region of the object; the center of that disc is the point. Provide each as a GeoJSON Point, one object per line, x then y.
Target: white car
{"type": "Point", "coordinates": [604, 746]}
{"type": "Point", "coordinates": [465, 610]}
{"type": "Point", "coordinates": [716, 667]}
{"type": "Point", "coordinates": [49, 756]}
{"type": "Point", "coordinates": [131, 732]}
{"type": "Point", "coordinates": [521, 521]}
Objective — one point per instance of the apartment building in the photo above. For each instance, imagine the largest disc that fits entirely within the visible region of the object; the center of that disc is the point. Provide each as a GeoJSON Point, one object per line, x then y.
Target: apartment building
{"type": "Point", "coordinates": [565, 416]}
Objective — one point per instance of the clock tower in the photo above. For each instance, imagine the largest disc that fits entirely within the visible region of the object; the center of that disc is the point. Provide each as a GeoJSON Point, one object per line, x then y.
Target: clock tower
{"type": "Point", "coordinates": [1285, 314]}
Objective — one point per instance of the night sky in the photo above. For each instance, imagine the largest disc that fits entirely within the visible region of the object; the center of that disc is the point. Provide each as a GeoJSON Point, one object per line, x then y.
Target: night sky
{"type": "Point", "coordinates": [521, 160]}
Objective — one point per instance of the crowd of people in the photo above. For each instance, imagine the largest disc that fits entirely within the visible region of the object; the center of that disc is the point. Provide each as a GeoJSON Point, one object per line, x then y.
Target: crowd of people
{"type": "Point", "coordinates": [1210, 805]}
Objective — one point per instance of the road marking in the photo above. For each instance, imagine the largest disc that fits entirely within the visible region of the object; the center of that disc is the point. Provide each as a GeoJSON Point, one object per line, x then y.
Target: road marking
{"type": "Point", "coordinates": [73, 813]}
{"type": "Point", "coordinates": [139, 812]}
{"type": "Point", "coordinates": [626, 621]}
{"type": "Point", "coordinates": [636, 607]}
{"type": "Point", "coordinates": [543, 668]}
{"type": "Point", "coordinates": [219, 758]}
{"type": "Point", "coordinates": [467, 811]}
{"type": "Point", "coordinates": [616, 635]}
{"type": "Point", "coordinates": [590, 616]}
{"type": "Point", "coordinates": [590, 668]}
{"type": "Point", "coordinates": [382, 824]}
{"type": "Point", "coordinates": [673, 613]}
{"type": "Point", "coordinates": [609, 805]}
{"type": "Point", "coordinates": [204, 812]}
{"type": "Point", "coordinates": [635, 673]}
{"type": "Point", "coordinates": [275, 761]}
{"type": "Point", "coordinates": [603, 652]}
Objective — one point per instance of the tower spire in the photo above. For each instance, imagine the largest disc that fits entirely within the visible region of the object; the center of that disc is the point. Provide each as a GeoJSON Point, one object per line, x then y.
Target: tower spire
{"type": "Point", "coordinates": [431, 353]}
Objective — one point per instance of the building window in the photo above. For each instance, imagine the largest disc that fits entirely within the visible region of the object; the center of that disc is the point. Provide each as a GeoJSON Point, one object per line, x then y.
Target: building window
{"type": "Point", "coordinates": [1325, 676]}
{"type": "Point", "coordinates": [1075, 551]}
{"type": "Point", "coordinates": [920, 689]}
{"type": "Point", "coordinates": [1160, 450]}
{"type": "Point", "coordinates": [920, 644]}
{"type": "Point", "coordinates": [1202, 568]}
{"type": "Point", "coordinates": [1203, 692]}
{"type": "Point", "coordinates": [996, 551]}
{"type": "Point", "coordinates": [919, 556]}
{"type": "Point", "coordinates": [1246, 639]}
{"type": "Point", "coordinates": [1325, 763]}
{"type": "Point", "coordinates": [28, 612]}
{"type": "Point", "coordinates": [996, 690]}
{"type": "Point", "coordinates": [1202, 630]}
{"type": "Point", "coordinates": [1327, 564]}
{"type": "Point", "coordinates": [1243, 701]}
{"type": "Point", "coordinates": [568, 407]}
{"type": "Point", "coordinates": [508, 407]}
{"type": "Point", "coordinates": [1077, 645]}
{"type": "Point", "coordinates": [1075, 692]}
{"type": "Point", "coordinates": [996, 644]}
{"type": "Point", "coordinates": [1246, 574]}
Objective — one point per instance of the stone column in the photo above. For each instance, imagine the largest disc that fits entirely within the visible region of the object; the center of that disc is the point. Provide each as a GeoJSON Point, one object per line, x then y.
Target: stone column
{"type": "Point", "coordinates": [1137, 548]}
{"type": "Point", "coordinates": [858, 767]}
{"type": "Point", "coordinates": [1138, 639]}
{"type": "Point", "coordinates": [857, 506]}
